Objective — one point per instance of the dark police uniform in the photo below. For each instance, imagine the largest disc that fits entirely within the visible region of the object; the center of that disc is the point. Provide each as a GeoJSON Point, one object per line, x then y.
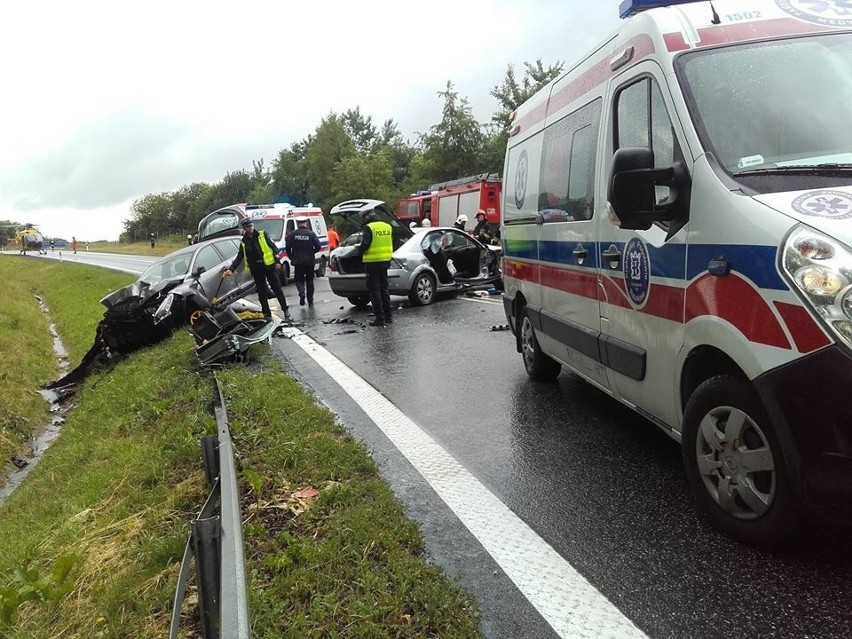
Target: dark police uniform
{"type": "Point", "coordinates": [301, 246]}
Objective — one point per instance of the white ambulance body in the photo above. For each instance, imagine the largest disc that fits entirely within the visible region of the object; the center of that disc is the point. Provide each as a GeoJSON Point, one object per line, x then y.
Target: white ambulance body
{"type": "Point", "coordinates": [677, 223]}
{"type": "Point", "coordinates": [279, 220]}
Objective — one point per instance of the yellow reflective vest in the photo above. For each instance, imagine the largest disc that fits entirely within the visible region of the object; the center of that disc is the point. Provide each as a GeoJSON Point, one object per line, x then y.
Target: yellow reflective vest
{"type": "Point", "coordinates": [381, 247]}
{"type": "Point", "coordinates": [265, 249]}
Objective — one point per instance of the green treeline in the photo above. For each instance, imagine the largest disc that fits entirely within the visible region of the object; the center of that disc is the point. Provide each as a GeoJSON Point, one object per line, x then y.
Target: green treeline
{"type": "Point", "coordinates": [349, 156]}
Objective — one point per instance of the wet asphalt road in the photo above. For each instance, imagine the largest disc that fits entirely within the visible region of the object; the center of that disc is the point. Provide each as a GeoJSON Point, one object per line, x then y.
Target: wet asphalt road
{"type": "Point", "coordinates": [602, 486]}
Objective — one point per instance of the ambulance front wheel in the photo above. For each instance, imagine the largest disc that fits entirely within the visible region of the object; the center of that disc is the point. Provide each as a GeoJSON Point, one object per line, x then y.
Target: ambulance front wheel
{"type": "Point", "coordinates": [734, 462]}
{"type": "Point", "coordinates": [539, 366]}
{"type": "Point", "coordinates": [320, 272]}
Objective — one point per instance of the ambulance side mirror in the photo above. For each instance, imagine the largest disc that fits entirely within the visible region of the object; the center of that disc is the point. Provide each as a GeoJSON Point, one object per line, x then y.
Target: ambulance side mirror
{"type": "Point", "coordinates": [633, 186]}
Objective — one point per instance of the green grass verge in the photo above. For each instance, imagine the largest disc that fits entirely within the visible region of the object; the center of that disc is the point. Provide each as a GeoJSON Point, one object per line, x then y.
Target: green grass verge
{"type": "Point", "coordinates": [163, 246]}
{"type": "Point", "coordinates": [72, 293]}
{"type": "Point", "coordinates": [92, 540]}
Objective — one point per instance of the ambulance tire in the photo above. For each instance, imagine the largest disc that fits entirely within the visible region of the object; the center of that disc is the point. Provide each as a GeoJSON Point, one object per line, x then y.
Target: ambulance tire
{"type": "Point", "coordinates": [284, 273]}
{"type": "Point", "coordinates": [320, 272]}
{"type": "Point", "coordinates": [757, 506]}
{"type": "Point", "coordinates": [538, 365]}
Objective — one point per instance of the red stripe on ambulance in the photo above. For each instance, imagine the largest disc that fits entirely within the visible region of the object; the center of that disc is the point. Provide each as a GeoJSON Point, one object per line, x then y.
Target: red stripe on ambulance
{"type": "Point", "coordinates": [726, 298]}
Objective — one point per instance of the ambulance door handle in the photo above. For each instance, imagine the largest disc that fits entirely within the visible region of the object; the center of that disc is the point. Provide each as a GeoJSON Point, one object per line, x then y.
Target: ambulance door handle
{"type": "Point", "coordinates": [612, 256]}
{"type": "Point", "coordinates": [580, 254]}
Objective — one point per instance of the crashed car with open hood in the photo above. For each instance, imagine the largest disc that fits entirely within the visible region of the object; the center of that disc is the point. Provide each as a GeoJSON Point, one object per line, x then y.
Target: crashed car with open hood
{"type": "Point", "coordinates": [426, 260]}
{"type": "Point", "coordinates": [179, 289]}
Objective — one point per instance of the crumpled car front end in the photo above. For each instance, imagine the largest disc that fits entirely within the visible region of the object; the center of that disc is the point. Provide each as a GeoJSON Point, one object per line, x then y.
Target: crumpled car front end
{"type": "Point", "coordinates": [129, 321]}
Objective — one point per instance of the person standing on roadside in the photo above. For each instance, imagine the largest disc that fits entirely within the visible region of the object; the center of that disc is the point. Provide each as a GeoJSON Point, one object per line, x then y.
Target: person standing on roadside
{"type": "Point", "coordinates": [376, 247]}
{"type": "Point", "coordinates": [302, 245]}
{"type": "Point", "coordinates": [260, 255]}
{"type": "Point", "coordinates": [189, 239]}
{"type": "Point", "coordinates": [333, 238]}
{"type": "Point", "coordinates": [74, 244]}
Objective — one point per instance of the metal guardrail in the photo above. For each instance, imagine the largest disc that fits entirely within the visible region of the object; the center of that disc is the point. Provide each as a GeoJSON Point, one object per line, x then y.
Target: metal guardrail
{"type": "Point", "coordinates": [216, 543]}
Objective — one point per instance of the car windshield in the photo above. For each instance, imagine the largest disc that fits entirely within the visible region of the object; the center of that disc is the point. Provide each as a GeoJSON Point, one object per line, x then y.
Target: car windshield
{"type": "Point", "coordinates": [773, 105]}
{"type": "Point", "coordinates": [169, 267]}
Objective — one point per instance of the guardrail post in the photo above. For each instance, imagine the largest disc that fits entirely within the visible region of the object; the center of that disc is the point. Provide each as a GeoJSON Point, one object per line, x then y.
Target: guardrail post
{"type": "Point", "coordinates": [205, 543]}
{"type": "Point", "coordinates": [210, 457]}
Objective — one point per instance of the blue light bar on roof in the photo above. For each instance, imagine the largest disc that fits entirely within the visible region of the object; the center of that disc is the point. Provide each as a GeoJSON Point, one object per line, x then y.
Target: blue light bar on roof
{"type": "Point", "coordinates": [632, 7]}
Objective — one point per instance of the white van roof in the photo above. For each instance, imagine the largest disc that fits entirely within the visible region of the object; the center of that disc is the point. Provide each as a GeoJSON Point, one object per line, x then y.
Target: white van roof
{"type": "Point", "coordinates": [661, 32]}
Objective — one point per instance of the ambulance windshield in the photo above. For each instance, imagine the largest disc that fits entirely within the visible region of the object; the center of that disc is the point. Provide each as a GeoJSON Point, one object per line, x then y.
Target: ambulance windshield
{"type": "Point", "coordinates": [274, 228]}
{"type": "Point", "coordinates": [773, 105]}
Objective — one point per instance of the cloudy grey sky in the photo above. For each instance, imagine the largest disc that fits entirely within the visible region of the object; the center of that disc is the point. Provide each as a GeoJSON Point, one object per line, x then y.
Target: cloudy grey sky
{"type": "Point", "coordinates": [106, 101]}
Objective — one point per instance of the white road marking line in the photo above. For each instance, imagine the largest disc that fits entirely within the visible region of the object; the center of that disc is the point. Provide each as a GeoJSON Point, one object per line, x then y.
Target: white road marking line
{"type": "Point", "coordinates": [570, 604]}
{"type": "Point", "coordinates": [481, 300]}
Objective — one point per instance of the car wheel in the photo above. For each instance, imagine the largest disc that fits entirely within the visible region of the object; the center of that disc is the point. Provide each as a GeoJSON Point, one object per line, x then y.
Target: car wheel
{"type": "Point", "coordinates": [359, 301]}
{"type": "Point", "coordinates": [320, 272]}
{"type": "Point", "coordinates": [423, 290]}
{"type": "Point", "coordinates": [538, 365]}
{"type": "Point", "coordinates": [284, 273]}
{"type": "Point", "coordinates": [733, 458]}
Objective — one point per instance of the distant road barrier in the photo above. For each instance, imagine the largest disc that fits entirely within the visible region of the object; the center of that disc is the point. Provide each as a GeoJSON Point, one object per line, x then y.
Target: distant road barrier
{"type": "Point", "coordinates": [216, 543]}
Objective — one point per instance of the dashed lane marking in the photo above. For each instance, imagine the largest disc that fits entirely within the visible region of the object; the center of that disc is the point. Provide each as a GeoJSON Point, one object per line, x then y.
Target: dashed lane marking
{"type": "Point", "coordinates": [570, 604]}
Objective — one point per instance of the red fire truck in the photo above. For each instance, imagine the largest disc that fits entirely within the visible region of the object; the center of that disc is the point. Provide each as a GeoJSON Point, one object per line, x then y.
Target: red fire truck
{"type": "Point", "coordinates": [442, 203]}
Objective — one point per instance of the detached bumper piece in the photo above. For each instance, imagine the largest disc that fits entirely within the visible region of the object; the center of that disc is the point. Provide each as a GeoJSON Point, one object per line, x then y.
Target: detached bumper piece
{"type": "Point", "coordinates": [224, 337]}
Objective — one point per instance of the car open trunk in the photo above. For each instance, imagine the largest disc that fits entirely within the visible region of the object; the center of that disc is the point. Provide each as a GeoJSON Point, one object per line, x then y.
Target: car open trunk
{"type": "Point", "coordinates": [347, 215]}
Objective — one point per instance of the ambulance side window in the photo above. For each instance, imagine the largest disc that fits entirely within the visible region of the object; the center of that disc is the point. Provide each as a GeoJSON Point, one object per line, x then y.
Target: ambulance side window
{"type": "Point", "coordinates": [642, 120]}
{"type": "Point", "coordinates": [566, 186]}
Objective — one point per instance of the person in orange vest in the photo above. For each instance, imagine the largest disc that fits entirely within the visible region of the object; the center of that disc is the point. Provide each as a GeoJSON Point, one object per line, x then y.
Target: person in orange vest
{"type": "Point", "coordinates": [74, 244]}
{"type": "Point", "coordinates": [333, 238]}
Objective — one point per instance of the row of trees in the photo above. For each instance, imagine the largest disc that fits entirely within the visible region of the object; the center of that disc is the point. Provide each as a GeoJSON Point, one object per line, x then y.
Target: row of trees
{"type": "Point", "coordinates": [349, 156]}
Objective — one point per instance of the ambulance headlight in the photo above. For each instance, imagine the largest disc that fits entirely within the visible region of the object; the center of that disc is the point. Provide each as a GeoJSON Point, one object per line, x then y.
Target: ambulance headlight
{"type": "Point", "coordinates": [821, 269]}
{"type": "Point", "coordinates": [820, 281]}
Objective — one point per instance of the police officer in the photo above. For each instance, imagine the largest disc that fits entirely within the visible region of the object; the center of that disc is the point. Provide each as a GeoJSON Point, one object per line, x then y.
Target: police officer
{"type": "Point", "coordinates": [376, 247]}
{"type": "Point", "coordinates": [302, 245]}
{"type": "Point", "coordinates": [260, 254]}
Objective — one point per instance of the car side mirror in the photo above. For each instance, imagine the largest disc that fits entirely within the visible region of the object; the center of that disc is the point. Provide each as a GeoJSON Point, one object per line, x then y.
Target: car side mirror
{"type": "Point", "coordinates": [199, 271]}
{"type": "Point", "coordinates": [632, 189]}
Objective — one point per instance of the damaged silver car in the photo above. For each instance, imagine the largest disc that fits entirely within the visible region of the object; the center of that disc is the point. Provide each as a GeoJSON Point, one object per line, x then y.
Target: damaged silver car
{"type": "Point", "coordinates": [426, 260]}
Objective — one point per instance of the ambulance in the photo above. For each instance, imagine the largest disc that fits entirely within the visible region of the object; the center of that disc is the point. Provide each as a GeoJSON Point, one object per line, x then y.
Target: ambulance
{"type": "Point", "coordinates": [278, 220]}
{"type": "Point", "coordinates": [677, 230]}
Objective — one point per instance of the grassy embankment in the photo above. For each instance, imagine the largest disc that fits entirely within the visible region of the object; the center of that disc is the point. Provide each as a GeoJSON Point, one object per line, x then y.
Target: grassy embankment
{"type": "Point", "coordinates": [163, 246]}
{"type": "Point", "coordinates": [101, 523]}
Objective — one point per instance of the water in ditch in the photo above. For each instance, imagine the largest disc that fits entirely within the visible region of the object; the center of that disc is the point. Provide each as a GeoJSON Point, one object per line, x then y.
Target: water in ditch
{"type": "Point", "coordinates": [41, 439]}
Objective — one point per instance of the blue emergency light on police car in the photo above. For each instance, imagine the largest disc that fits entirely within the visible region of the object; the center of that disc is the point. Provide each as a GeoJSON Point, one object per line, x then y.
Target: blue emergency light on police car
{"type": "Point", "coordinates": [632, 7]}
